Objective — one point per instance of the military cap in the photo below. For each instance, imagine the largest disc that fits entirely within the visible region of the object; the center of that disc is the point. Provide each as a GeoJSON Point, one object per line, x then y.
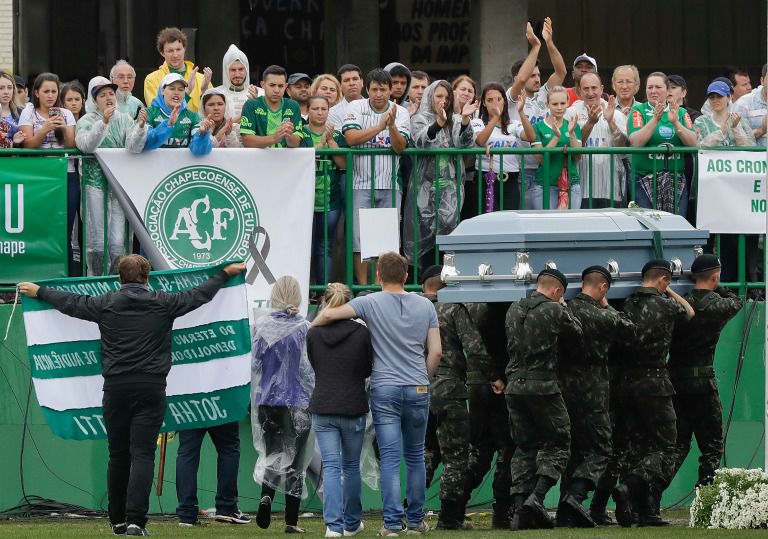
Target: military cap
{"type": "Point", "coordinates": [431, 271]}
{"type": "Point", "coordinates": [557, 274]}
{"type": "Point", "coordinates": [705, 263]}
{"type": "Point", "coordinates": [598, 269]}
{"type": "Point", "coordinates": [657, 263]}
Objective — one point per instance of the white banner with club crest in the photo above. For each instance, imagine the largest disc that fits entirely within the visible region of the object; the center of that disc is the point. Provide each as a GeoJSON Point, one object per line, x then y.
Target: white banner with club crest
{"type": "Point", "coordinates": [233, 204]}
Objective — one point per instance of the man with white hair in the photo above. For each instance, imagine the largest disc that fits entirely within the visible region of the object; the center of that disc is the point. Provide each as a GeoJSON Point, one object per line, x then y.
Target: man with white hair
{"type": "Point", "coordinates": [236, 83]}
{"type": "Point", "coordinates": [123, 74]}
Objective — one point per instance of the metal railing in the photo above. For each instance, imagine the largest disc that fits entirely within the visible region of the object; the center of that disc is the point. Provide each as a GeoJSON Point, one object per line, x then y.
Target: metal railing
{"type": "Point", "coordinates": [466, 159]}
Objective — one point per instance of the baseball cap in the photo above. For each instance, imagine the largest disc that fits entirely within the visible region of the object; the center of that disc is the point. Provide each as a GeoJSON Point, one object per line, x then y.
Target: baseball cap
{"type": "Point", "coordinates": [718, 87]}
{"type": "Point", "coordinates": [678, 80]}
{"type": "Point", "coordinates": [584, 57]}
{"type": "Point", "coordinates": [597, 269]}
{"type": "Point", "coordinates": [100, 86]}
{"type": "Point", "coordinates": [557, 274]}
{"type": "Point", "coordinates": [657, 263]}
{"type": "Point", "coordinates": [705, 262]}
{"type": "Point", "coordinates": [170, 78]}
{"type": "Point", "coordinates": [20, 81]}
{"type": "Point", "coordinates": [296, 77]}
{"type": "Point", "coordinates": [431, 271]}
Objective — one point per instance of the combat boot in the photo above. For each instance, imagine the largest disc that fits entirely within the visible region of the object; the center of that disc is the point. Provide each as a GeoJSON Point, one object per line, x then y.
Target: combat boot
{"type": "Point", "coordinates": [452, 516]}
{"type": "Point", "coordinates": [574, 512]}
{"type": "Point", "coordinates": [621, 497]}
{"type": "Point", "coordinates": [501, 519]}
{"type": "Point", "coordinates": [533, 515]}
{"type": "Point", "coordinates": [653, 506]}
{"type": "Point", "coordinates": [514, 513]}
{"type": "Point", "coordinates": [598, 509]}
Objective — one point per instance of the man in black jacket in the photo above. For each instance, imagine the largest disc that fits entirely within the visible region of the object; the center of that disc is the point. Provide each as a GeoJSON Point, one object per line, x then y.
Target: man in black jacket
{"type": "Point", "coordinates": [135, 324]}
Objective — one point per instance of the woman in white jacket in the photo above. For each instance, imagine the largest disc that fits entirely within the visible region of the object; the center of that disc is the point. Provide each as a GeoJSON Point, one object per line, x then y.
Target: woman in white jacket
{"type": "Point", "coordinates": [105, 127]}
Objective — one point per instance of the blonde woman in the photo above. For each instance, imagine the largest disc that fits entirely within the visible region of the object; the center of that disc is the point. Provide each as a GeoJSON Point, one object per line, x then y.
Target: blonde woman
{"type": "Point", "coordinates": [282, 381]}
{"type": "Point", "coordinates": [327, 86]}
{"type": "Point", "coordinates": [342, 357]}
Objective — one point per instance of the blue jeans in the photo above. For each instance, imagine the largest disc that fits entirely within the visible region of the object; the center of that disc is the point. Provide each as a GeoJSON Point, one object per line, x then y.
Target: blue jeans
{"type": "Point", "coordinates": [340, 439]}
{"type": "Point", "coordinates": [226, 439]}
{"type": "Point", "coordinates": [537, 197]}
{"type": "Point", "coordinates": [321, 249]}
{"type": "Point", "coordinates": [400, 419]}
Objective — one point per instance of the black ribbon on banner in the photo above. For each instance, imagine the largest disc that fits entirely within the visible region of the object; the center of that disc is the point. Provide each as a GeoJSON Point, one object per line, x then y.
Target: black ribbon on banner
{"type": "Point", "coordinates": [259, 257]}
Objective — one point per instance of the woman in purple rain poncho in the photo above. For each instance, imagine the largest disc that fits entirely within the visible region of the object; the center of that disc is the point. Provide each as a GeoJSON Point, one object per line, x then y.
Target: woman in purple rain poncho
{"type": "Point", "coordinates": [282, 381]}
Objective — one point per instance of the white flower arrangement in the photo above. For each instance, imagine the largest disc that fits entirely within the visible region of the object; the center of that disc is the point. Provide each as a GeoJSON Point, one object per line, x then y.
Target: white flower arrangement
{"type": "Point", "coordinates": [736, 499]}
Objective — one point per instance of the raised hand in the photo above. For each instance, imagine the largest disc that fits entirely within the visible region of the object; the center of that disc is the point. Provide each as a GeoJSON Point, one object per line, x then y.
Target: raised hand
{"type": "Point", "coordinates": [530, 35]}
{"type": "Point", "coordinates": [593, 113]}
{"type": "Point", "coordinates": [658, 110]}
{"type": "Point", "coordinates": [672, 113]}
{"type": "Point", "coordinates": [391, 115]}
{"type": "Point", "coordinates": [521, 102]}
{"type": "Point", "coordinates": [546, 32]}
{"type": "Point", "coordinates": [142, 117]}
{"type": "Point", "coordinates": [735, 119]}
{"type": "Point", "coordinates": [205, 125]}
{"type": "Point", "coordinates": [609, 109]}
{"type": "Point", "coordinates": [412, 108]}
{"type": "Point", "coordinates": [108, 113]}
{"type": "Point", "coordinates": [470, 108]}
{"type": "Point", "coordinates": [227, 129]}
{"type": "Point", "coordinates": [174, 115]}
{"type": "Point", "coordinates": [207, 76]}
{"type": "Point", "coordinates": [192, 80]}
{"type": "Point", "coordinates": [253, 91]}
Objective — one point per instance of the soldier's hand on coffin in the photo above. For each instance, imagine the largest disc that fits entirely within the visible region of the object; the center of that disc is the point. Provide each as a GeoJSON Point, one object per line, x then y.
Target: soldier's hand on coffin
{"type": "Point", "coordinates": [498, 386]}
{"type": "Point", "coordinates": [29, 289]}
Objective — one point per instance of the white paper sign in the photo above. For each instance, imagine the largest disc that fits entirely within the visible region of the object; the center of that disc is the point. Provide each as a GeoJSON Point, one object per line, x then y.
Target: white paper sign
{"type": "Point", "coordinates": [732, 192]}
{"type": "Point", "coordinates": [379, 231]}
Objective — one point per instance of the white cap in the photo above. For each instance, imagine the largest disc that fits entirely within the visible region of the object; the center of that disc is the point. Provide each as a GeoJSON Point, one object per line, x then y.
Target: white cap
{"type": "Point", "coordinates": [170, 78]}
{"type": "Point", "coordinates": [584, 57]}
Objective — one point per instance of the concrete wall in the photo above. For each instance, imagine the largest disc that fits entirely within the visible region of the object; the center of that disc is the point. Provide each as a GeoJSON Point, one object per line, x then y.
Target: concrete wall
{"type": "Point", "coordinates": [498, 37]}
{"type": "Point", "coordinates": [6, 34]}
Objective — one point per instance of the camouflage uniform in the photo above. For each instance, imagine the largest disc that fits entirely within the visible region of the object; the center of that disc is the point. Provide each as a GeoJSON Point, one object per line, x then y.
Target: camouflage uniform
{"type": "Point", "coordinates": [585, 384]}
{"type": "Point", "coordinates": [462, 350]}
{"type": "Point", "coordinates": [489, 430]}
{"type": "Point", "coordinates": [647, 390]}
{"type": "Point", "coordinates": [691, 358]}
{"type": "Point", "coordinates": [536, 328]}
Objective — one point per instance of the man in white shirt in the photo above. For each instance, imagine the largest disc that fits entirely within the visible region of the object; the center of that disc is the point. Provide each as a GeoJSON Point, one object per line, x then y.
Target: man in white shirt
{"type": "Point", "coordinates": [753, 107]}
{"type": "Point", "coordinates": [375, 122]}
{"type": "Point", "coordinates": [526, 76]}
{"type": "Point", "coordinates": [351, 79]}
{"type": "Point", "coordinates": [602, 125]}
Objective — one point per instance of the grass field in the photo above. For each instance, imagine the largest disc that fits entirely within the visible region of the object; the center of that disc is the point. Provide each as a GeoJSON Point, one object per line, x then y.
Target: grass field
{"type": "Point", "coordinates": [168, 527]}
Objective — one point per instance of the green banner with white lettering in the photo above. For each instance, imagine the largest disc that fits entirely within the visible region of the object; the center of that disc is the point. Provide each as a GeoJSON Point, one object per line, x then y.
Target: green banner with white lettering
{"type": "Point", "coordinates": [209, 382]}
{"type": "Point", "coordinates": [33, 218]}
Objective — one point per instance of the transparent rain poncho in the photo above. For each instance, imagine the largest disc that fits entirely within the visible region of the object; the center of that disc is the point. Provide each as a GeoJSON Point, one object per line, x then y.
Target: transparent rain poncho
{"type": "Point", "coordinates": [282, 381]}
{"type": "Point", "coordinates": [436, 184]}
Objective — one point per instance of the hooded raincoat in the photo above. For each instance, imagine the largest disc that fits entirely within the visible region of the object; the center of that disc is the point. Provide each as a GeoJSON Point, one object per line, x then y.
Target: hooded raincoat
{"type": "Point", "coordinates": [282, 381]}
{"type": "Point", "coordinates": [185, 132]}
{"type": "Point", "coordinates": [437, 183]}
{"type": "Point", "coordinates": [92, 133]}
{"type": "Point", "coordinates": [235, 96]}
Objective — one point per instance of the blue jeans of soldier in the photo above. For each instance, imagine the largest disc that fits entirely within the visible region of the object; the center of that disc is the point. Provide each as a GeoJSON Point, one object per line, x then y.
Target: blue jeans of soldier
{"type": "Point", "coordinates": [340, 439]}
{"type": "Point", "coordinates": [400, 419]}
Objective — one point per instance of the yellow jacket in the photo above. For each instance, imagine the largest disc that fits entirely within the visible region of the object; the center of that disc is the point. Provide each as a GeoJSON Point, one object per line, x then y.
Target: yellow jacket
{"type": "Point", "coordinates": [152, 83]}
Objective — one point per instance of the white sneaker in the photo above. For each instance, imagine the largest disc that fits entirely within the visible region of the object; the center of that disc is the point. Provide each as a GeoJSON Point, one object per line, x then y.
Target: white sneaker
{"type": "Point", "coordinates": [352, 533]}
{"type": "Point", "coordinates": [330, 533]}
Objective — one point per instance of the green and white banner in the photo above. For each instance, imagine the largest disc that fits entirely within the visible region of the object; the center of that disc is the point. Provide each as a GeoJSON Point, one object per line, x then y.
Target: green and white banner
{"type": "Point", "coordinates": [732, 192]}
{"type": "Point", "coordinates": [33, 218]}
{"type": "Point", "coordinates": [233, 204]}
{"type": "Point", "coordinates": [210, 352]}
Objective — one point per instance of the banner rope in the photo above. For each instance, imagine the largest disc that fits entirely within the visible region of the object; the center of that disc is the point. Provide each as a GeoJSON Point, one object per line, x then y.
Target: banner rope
{"type": "Point", "coordinates": [10, 318]}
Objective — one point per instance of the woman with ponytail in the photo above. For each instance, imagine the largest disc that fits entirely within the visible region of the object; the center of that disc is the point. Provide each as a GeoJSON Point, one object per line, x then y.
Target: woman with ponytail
{"type": "Point", "coordinates": [342, 357]}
